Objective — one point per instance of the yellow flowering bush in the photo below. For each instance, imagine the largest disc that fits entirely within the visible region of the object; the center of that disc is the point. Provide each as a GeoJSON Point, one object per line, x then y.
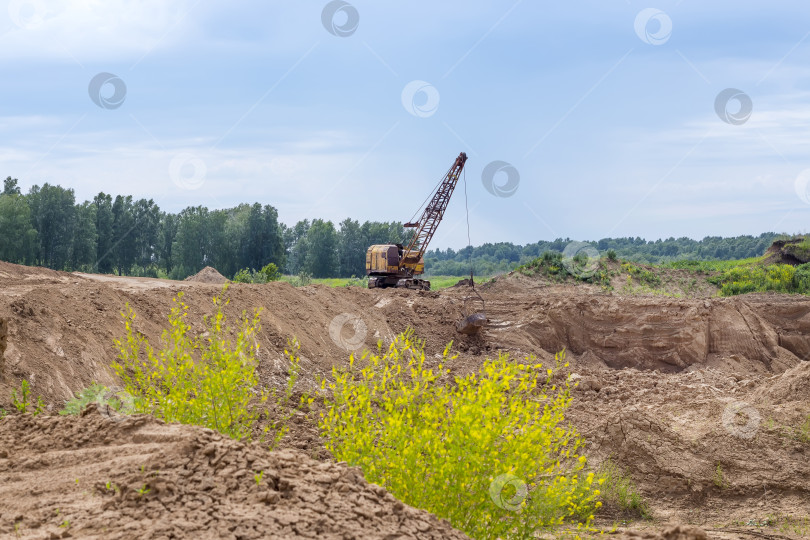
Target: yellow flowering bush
{"type": "Point", "coordinates": [209, 381]}
{"type": "Point", "coordinates": [490, 452]}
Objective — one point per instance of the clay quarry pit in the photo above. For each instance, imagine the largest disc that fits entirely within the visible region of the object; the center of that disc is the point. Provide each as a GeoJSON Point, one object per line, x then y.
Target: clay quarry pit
{"type": "Point", "coordinates": [657, 379]}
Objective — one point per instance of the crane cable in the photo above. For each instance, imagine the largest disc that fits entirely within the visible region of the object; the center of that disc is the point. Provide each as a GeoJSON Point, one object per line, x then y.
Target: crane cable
{"type": "Point", "coordinates": [469, 245]}
{"type": "Point", "coordinates": [469, 242]}
{"type": "Point", "coordinates": [430, 195]}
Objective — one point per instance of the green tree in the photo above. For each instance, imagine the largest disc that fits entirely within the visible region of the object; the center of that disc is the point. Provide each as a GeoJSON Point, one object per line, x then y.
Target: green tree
{"type": "Point", "coordinates": [322, 257]}
{"type": "Point", "coordinates": [18, 237]}
{"type": "Point", "coordinates": [297, 246]}
{"type": "Point", "coordinates": [264, 242]}
{"type": "Point", "coordinates": [167, 231]}
{"type": "Point", "coordinates": [191, 245]}
{"type": "Point", "coordinates": [219, 251]}
{"type": "Point", "coordinates": [53, 215]}
{"type": "Point", "coordinates": [146, 220]}
{"type": "Point", "coordinates": [351, 249]}
{"type": "Point", "coordinates": [104, 232]}
{"type": "Point", "coordinates": [123, 248]}
{"type": "Point", "coordinates": [83, 255]}
{"type": "Point", "coordinates": [10, 186]}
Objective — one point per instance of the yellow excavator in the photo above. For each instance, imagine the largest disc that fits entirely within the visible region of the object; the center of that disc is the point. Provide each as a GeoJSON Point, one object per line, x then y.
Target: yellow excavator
{"type": "Point", "coordinates": [394, 265]}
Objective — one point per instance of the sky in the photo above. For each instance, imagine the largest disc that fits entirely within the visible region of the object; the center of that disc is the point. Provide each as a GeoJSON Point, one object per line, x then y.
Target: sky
{"type": "Point", "coordinates": [581, 119]}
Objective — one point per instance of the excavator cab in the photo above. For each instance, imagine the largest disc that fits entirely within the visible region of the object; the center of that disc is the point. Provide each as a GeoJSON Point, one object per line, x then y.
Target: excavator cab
{"type": "Point", "coordinates": [386, 266]}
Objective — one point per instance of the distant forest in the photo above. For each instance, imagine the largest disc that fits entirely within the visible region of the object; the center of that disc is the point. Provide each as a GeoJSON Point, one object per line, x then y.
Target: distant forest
{"type": "Point", "coordinates": [490, 259]}
{"type": "Point", "coordinates": [48, 227]}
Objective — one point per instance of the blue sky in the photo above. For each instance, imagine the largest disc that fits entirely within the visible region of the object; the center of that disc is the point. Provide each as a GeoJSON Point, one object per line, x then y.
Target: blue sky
{"type": "Point", "coordinates": [605, 110]}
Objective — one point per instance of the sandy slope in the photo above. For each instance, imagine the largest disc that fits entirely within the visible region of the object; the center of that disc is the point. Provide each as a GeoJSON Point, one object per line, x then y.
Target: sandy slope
{"type": "Point", "coordinates": [673, 390]}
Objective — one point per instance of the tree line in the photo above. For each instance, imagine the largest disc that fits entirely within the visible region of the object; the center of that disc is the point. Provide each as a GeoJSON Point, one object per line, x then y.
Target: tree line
{"type": "Point", "coordinates": [490, 259]}
{"type": "Point", "coordinates": [48, 227]}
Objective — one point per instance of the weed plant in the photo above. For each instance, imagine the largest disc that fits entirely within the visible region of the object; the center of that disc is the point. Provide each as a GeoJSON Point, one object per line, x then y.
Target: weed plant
{"type": "Point", "coordinates": [490, 452]}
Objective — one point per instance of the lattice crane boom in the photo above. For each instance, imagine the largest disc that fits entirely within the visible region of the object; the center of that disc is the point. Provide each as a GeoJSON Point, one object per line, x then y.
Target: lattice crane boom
{"type": "Point", "coordinates": [426, 227]}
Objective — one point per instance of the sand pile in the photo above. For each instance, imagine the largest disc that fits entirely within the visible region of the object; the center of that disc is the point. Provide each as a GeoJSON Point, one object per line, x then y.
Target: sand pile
{"type": "Point", "coordinates": [208, 275]}
{"type": "Point", "coordinates": [791, 386]}
{"type": "Point", "coordinates": [136, 477]}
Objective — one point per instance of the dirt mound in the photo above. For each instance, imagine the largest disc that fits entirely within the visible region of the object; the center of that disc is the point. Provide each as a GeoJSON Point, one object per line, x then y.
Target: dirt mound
{"type": "Point", "coordinates": [753, 333]}
{"type": "Point", "coordinates": [662, 380]}
{"type": "Point", "coordinates": [792, 385]}
{"type": "Point", "coordinates": [140, 478]}
{"type": "Point", "coordinates": [208, 275]}
{"type": "Point", "coordinates": [790, 251]}
{"type": "Point", "coordinates": [695, 441]}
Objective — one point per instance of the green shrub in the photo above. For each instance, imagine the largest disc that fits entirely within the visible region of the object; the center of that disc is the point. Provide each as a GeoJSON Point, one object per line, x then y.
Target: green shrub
{"type": "Point", "coordinates": [301, 280]}
{"type": "Point", "coordinates": [800, 250]}
{"type": "Point", "coordinates": [611, 255]}
{"type": "Point", "coordinates": [551, 265]}
{"type": "Point", "coordinates": [491, 453]}
{"type": "Point", "coordinates": [208, 381]}
{"type": "Point", "coordinates": [719, 478]}
{"type": "Point", "coordinates": [95, 393]}
{"type": "Point", "coordinates": [619, 491]}
{"type": "Point", "coordinates": [776, 277]}
{"type": "Point", "coordinates": [642, 274]}
{"type": "Point", "coordinates": [22, 401]}
{"type": "Point", "coordinates": [801, 278]}
{"type": "Point", "coordinates": [245, 275]}
{"type": "Point", "coordinates": [269, 272]}
{"type": "Point", "coordinates": [803, 431]}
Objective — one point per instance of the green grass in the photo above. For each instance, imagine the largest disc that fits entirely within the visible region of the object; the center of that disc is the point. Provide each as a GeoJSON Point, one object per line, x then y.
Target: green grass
{"type": "Point", "coordinates": [436, 282]}
{"type": "Point", "coordinates": [750, 275]}
{"type": "Point", "coordinates": [339, 282]}
{"type": "Point", "coordinates": [95, 393]}
{"type": "Point", "coordinates": [649, 277]}
{"type": "Point", "coordinates": [706, 267]}
{"type": "Point", "coordinates": [801, 250]}
{"type": "Point", "coordinates": [443, 282]}
{"type": "Point", "coordinates": [620, 492]}
{"type": "Point", "coordinates": [798, 525]}
{"type": "Point", "coordinates": [756, 278]}
{"type": "Point", "coordinates": [553, 267]}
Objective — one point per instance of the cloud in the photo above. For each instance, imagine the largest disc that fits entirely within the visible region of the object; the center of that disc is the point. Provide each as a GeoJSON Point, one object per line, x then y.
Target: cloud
{"type": "Point", "coordinates": [91, 30]}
